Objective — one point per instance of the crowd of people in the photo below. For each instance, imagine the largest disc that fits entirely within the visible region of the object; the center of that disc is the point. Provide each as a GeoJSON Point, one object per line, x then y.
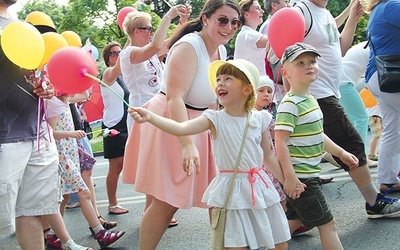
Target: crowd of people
{"type": "Point", "coordinates": [179, 141]}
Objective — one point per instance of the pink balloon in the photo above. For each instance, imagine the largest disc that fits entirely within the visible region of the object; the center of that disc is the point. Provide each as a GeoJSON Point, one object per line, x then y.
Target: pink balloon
{"type": "Point", "coordinates": [122, 14]}
{"type": "Point", "coordinates": [286, 27]}
{"type": "Point", "coordinates": [66, 69]}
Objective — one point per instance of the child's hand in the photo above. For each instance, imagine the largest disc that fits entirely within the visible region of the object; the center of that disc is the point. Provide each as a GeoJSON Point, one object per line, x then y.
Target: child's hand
{"type": "Point", "coordinates": [78, 134]}
{"type": "Point", "coordinates": [293, 188]}
{"type": "Point", "coordinates": [140, 115]}
{"type": "Point", "coordinates": [349, 159]}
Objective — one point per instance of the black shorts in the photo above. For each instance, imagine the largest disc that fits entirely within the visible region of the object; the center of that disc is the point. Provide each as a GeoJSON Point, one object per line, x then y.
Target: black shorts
{"type": "Point", "coordinates": [311, 208]}
{"type": "Point", "coordinates": [340, 130]}
{"type": "Point", "coordinates": [114, 147]}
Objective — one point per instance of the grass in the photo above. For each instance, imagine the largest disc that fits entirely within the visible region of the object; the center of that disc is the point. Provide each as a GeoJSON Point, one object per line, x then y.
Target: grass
{"type": "Point", "coordinates": [97, 140]}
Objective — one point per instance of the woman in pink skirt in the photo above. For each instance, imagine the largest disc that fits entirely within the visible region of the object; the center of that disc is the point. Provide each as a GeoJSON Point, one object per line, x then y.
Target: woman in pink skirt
{"type": "Point", "coordinates": [153, 159]}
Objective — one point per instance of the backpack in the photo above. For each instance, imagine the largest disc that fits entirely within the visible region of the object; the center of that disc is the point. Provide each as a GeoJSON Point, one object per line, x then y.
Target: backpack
{"type": "Point", "coordinates": [305, 10]}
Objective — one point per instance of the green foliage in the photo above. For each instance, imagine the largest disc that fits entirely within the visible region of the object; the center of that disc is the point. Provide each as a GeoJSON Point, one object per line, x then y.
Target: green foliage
{"type": "Point", "coordinates": [97, 19]}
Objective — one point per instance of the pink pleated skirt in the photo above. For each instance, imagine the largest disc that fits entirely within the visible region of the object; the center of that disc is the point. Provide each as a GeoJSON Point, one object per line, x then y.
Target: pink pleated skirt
{"type": "Point", "coordinates": [153, 161]}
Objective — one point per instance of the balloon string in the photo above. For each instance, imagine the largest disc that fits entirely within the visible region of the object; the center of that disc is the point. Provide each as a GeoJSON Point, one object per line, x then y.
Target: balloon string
{"type": "Point", "coordinates": [106, 85]}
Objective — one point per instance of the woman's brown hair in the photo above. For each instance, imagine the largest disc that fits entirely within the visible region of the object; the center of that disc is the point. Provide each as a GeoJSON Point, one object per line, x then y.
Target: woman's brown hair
{"type": "Point", "coordinates": [210, 7]}
{"type": "Point", "coordinates": [106, 51]}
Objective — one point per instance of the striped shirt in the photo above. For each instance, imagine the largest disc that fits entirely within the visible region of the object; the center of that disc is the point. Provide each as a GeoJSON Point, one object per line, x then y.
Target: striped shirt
{"type": "Point", "coordinates": [302, 116]}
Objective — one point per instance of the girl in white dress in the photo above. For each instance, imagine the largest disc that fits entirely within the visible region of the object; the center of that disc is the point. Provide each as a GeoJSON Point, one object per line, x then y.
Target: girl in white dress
{"type": "Point", "coordinates": [255, 219]}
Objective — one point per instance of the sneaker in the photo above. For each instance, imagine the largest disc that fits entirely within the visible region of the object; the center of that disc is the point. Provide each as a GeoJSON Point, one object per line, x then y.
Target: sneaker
{"type": "Point", "coordinates": [53, 242]}
{"type": "Point", "coordinates": [384, 207]}
{"type": "Point", "coordinates": [300, 230]}
{"type": "Point", "coordinates": [106, 238]}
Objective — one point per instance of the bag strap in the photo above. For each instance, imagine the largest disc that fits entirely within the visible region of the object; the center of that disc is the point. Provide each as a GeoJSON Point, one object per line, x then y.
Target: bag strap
{"type": "Point", "coordinates": [238, 160]}
{"type": "Point", "coordinates": [307, 15]}
{"type": "Point", "coordinates": [372, 45]}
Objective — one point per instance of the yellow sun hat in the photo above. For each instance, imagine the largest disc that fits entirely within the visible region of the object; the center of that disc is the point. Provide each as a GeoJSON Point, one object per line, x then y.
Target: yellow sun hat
{"type": "Point", "coordinates": [41, 21]}
{"type": "Point", "coordinates": [248, 68]}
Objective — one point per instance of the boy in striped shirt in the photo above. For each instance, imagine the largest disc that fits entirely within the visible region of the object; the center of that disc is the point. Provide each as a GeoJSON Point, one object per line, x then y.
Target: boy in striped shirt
{"type": "Point", "coordinates": [300, 142]}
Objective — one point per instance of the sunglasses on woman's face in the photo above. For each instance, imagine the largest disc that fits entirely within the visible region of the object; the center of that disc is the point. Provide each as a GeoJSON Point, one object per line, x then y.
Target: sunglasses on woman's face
{"type": "Point", "coordinates": [223, 21]}
{"type": "Point", "coordinates": [148, 29]}
{"type": "Point", "coordinates": [115, 53]}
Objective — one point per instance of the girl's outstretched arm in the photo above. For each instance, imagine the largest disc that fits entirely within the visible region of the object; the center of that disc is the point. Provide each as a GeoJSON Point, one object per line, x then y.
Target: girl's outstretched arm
{"type": "Point", "coordinates": [189, 127]}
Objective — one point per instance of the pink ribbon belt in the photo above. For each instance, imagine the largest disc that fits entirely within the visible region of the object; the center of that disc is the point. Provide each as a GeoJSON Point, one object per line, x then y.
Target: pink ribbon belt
{"type": "Point", "coordinates": [251, 174]}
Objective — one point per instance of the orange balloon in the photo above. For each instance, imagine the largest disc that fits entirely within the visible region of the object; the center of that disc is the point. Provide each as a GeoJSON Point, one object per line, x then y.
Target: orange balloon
{"type": "Point", "coordinates": [367, 98]}
{"type": "Point", "coordinates": [52, 42]}
{"type": "Point", "coordinates": [72, 38]}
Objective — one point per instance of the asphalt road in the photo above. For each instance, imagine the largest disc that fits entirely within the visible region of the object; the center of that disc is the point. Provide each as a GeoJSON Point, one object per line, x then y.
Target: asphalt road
{"type": "Point", "coordinates": [193, 231]}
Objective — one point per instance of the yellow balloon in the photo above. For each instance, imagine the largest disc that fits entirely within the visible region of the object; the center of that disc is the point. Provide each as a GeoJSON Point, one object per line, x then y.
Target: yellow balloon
{"type": "Point", "coordinates": [23, 44]}
{"type": "Point", "coordinates": [72, 38]}
{"type": "Point", "coordinates": [367, 98]}
{"type": "Point", "coordinates": [52, 42]}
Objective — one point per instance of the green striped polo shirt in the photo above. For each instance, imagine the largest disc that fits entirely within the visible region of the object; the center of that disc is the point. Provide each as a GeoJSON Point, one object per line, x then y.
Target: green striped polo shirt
{"type": "Point", "coordinates": [302, 116]}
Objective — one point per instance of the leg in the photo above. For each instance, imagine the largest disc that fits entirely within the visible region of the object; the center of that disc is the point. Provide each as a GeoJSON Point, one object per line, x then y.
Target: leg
{"type": "Point", "coordinates": [154, 223]}
{"type": "Point", "coordinates": [112, 179]}
{"type": "Point", "coordinates": [373, 144]}
{"type": "Point", "coordinates": [88, 179]}
{"type": "Point", "coordinates": [57, 224]}
{"type": "Point", "coordinates": [389, 156]}
{"type": "Point", "coordinates": [29, 232]}
{"type": "Point", "coordinates": [294, 224]}
{"type": "Point", "coordinates": [281, 246]}
{"type": "Point", "coordinates": [329, 237]}
{"type": "Point", "coordinates": [87, 208]}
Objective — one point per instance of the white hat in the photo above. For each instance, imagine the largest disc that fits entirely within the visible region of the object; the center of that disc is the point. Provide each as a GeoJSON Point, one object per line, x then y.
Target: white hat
{"type": "Point", "coordinates": [265, 81]}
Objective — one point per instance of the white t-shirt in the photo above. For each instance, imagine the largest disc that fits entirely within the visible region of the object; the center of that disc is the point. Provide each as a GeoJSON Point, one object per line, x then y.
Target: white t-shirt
{"type": "Point", "coordinates": [354, 64]}
{"type": "Point", "coordinates": [142, 79]}
{"type": "Point", "coordinates": [246, 48]}
{"type": "Point", "coordinates": [324, 36]}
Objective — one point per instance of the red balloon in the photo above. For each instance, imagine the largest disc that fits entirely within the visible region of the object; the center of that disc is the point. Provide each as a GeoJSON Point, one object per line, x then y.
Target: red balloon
{"type": "Point", "coordinates": [66, 69]}
{"type": "Point", "coordinates": [286, 27]}
{"type": "Point", "coordinates": [122, 14]}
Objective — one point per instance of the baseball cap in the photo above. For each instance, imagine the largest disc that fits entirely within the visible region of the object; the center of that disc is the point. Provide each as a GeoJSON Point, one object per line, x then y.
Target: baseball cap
{"type": "Point", "coordinates": [293, 51]}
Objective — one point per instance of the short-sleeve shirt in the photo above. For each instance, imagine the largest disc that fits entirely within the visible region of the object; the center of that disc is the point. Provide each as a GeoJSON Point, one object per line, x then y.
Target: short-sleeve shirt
{"type": "Point", "coordinates": [246, 48]}
{"type": "Point", "coordinates": [142, 79]}
{"type": "Point", "coordinates": [302, 116]}
{"type": "Point", "coordinates": [18, 103]}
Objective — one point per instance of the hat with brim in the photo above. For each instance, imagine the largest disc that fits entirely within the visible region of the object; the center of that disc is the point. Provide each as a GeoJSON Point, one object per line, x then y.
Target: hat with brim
{"type": "Point", "coordinates": [295, 50]}
{"type": "Point", "coordinates": [41, 21]}
{"type": "Point", "coordinates": [248, 68]}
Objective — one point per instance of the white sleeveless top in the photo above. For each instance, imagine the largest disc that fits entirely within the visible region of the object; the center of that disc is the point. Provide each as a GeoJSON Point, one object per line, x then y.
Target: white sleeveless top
{"type": "Point", "coordinates": [142, 79]}
{"type": "Point", "coordinates": [113, 107]}
{"type": "Point", "coordinates": [200, 94]}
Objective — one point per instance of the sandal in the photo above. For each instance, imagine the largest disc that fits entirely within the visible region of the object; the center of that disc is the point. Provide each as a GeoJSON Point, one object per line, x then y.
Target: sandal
{"type": "Point", "coordinates": [106, 224]}
{"type": "Point", "coordinates": [173, 223]}
{"type": "Point", "coordinates": [390, 188]}
{"type": "Point", "coordinates": [117, 209]}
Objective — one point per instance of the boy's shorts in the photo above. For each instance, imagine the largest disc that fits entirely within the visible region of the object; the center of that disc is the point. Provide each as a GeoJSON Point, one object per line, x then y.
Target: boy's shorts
{"type": "Point", "coordinates": [311, 208]}
{"type": "Point", "coordinates": [375, 124]}
{"type": "Point", "coordinates": [29, 181]}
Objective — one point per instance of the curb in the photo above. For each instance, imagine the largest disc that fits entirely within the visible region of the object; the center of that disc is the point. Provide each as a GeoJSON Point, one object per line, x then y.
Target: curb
{"type": "Point", "coordinates": [96, 154]}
